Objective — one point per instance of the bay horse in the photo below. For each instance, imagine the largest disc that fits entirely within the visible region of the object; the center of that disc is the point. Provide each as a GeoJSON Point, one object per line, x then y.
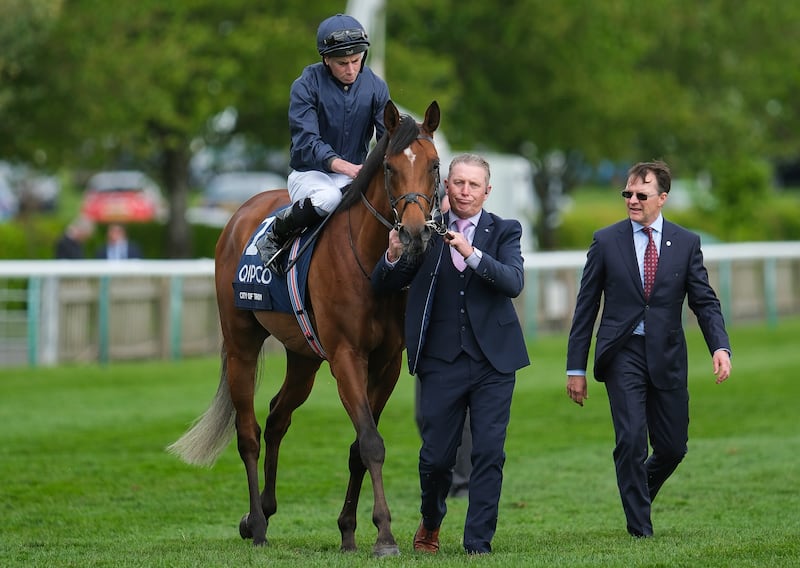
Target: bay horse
{"type": "Point", "coordinates": [361, 334]}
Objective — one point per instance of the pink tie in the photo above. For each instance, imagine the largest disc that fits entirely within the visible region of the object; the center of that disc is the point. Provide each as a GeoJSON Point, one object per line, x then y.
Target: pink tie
{"type": "Point", "coordinates": [650, 262]}
{"type": "Point", "coordinates": [461, 226]}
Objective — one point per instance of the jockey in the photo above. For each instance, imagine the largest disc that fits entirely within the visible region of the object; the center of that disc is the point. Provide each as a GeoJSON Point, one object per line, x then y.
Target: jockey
{"type": "Point", "coordinates": [335, 108]}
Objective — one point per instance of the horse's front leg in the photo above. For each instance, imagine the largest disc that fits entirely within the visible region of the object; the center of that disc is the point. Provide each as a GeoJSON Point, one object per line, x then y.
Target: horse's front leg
{"type": "Point", "coordinates": [373, 454]}
{"type": "Point", "coordinates": [367, 453]}
{"type": "Point", "coordinates": [370, 451]}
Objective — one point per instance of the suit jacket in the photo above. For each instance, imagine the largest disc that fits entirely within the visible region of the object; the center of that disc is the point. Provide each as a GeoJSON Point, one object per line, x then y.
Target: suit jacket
{"type": "Point", "coordinates": [134, 251]}
{"type": "Point", "coordinates": [611, 271]}
{"type": "Point", "coordinates": [69, 248]}
{"type": "Point", "coordinates": [488, 292]}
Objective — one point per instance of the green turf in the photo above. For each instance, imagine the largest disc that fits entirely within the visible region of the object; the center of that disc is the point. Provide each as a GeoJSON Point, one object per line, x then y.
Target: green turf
{"type": "Point", "coordinates": [85, 480]}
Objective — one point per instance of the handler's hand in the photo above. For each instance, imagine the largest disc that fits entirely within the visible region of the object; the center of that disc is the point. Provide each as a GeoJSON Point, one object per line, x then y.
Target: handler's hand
{"type": "Point", "coordinates": [459, 242]}
{"type": "Point", "coordinates": [722, 365]}
{"type": "Point", "coordinates": [576, 388]}
{"type": "Point", "coordinates": [395, 246]}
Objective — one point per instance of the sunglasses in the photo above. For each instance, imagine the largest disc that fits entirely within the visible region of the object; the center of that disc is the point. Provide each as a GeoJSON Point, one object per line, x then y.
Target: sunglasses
{"type": "Point", "coordinates": [341, 36]}
{"type": "Point", "coordinates": [640, 196]}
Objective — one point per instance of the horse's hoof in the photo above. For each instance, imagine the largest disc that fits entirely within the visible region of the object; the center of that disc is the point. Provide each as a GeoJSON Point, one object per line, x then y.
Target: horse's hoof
{"type": "Point", "coordinates": [382, 550]}
{"type": "Point", "coordinates": [244, 530]}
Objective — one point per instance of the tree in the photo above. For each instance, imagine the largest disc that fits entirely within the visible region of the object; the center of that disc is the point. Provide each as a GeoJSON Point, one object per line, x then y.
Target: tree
{"type": "Point", "coordinates": [24, 24]}
{"type": "Point", "coordinates": [564, 83]}
{"type": "Point", "coordinates": [569, 83]}
{"type": "Point", "coordinates": [143, 79]}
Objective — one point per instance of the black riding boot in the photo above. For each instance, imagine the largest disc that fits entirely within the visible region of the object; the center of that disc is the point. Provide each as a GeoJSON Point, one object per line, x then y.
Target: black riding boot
{"type": "Point", "coordinates": [287, 224]}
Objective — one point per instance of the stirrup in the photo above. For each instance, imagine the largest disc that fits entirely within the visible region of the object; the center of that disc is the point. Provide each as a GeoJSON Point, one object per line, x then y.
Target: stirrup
{"type": "Point", "coordinates": [264, 245]}
{"type": "Point", "coordinates": [273, 262]}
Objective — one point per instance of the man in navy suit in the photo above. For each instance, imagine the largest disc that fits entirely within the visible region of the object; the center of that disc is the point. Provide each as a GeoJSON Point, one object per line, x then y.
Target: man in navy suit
{"type": "Point", "coordinates": [465, 343]}
{"type": "Point", "coordinates": [118, 246]}
{"type": "Point", "coordinates": [640, 352]}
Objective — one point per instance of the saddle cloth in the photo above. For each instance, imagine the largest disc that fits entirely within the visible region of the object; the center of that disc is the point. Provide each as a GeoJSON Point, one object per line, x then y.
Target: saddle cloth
{"type": "Point", "coordinates": [257, 288]}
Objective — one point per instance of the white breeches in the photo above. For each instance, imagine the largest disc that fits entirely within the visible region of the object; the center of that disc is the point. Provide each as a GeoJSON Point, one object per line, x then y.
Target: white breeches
{"type": "Point", "coordinates": [324, 189]}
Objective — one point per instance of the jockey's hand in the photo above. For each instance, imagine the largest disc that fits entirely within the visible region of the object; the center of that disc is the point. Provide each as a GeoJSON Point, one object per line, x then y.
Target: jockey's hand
{"type": "Point", "coordinates": [341, 166]}
{"type": "Point", "coordinates": [395, 250]}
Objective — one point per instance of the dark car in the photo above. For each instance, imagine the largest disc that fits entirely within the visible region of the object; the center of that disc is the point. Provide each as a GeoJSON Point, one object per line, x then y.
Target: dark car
{"type": "Point", "coordinates": [226, 192]}
{"type": "Point", "coordinates": [124, 196]}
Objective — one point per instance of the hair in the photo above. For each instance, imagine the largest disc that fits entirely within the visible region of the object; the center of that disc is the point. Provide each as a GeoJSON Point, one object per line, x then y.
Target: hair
{"type": "Point", "coordinates": [473, 160]}
{"type": "Point", "coordinates": [405, 133]}
{"type": "Point", "coordinates": [658, 168]}
{"type": "Point", "coordinates": [83, 224]}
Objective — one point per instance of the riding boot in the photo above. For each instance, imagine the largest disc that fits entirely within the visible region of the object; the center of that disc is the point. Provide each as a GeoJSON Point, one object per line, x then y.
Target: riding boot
{"type": "Point", "coordinates": [287, 224]}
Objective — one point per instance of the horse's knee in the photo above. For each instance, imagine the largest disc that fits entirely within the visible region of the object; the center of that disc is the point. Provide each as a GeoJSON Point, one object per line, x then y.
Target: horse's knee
{"type": "Point", "coordinates": [371, 448]}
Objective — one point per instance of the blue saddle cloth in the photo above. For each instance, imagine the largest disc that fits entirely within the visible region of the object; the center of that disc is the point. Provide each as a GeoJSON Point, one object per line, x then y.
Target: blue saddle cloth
{"type": "Point", "coordinates": [257, 288]}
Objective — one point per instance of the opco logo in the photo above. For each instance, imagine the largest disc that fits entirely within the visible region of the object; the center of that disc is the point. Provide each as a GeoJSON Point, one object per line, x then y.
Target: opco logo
{"type": "Point", "coordinates": [251, 273]}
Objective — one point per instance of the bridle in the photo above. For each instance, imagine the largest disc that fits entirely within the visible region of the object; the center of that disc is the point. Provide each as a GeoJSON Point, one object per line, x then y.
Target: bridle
{"type": "Point", "coordinates": [434, 203]}
{"type": "Point", "coordinates": [433, 218]}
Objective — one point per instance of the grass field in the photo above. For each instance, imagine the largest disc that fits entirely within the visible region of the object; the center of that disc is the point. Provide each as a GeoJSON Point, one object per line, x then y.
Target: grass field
{"type": "Point", "coordinates": [85, 480]}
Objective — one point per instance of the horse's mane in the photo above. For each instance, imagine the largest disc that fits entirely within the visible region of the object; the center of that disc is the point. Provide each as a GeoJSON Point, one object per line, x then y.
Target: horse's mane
{"type": "Point", "coordinates": [405, 133]}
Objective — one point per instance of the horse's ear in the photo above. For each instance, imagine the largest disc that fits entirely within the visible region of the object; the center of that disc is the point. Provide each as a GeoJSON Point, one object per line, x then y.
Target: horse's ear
{"type": "Point", "coordinates": [391, 116]}
{"type": "Point", "coordinates": [432, 117]}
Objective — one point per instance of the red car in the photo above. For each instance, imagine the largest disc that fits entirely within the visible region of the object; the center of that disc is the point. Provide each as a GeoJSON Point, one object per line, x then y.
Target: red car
{"type": "Point", "coordinates": [123, 197]}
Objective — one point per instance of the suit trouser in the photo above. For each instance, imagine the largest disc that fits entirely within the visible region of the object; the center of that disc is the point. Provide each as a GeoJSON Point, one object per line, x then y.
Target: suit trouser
{"type": "Point", "coordinates": [640, 411]}
{"type": "Point", "coordinates": [448, 389]}
{"type": "Point", "coordinates": [463, 465]}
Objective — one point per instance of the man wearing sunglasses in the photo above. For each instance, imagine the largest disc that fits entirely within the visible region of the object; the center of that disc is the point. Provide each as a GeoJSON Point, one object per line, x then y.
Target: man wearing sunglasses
{"type": "Point", "coordinates": [335, 108]}
{"type": "Point", "coordinates": [644, 268]}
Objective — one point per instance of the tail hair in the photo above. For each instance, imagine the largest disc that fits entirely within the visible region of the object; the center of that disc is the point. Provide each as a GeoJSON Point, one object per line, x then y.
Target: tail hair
{"type": "Point", "coordinates": [211, 433]}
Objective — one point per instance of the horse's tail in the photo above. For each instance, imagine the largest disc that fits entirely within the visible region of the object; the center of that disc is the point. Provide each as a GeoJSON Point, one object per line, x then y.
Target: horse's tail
{"type": "Point", "coordinates": [211, 433]}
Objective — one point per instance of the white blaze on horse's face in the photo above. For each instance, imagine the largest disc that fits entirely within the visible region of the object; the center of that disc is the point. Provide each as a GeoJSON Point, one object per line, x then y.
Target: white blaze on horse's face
{"type": "Point", "coordinates": [410, 155]}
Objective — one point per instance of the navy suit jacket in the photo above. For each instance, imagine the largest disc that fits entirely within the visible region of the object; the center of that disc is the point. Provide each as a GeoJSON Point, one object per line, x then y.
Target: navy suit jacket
{"type": "Point", "coordinates": [611, 271]}
{"type": "Point", "coordinates": [488, 292]}
{"type": "Point", "coordinates": [134, 251]}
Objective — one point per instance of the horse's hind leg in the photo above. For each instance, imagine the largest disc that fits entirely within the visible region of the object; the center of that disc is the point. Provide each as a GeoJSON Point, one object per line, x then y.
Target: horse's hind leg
{"type": "Point", "coordinates": [300, 373]}
{"type": "Point", "coordinates": [347, 518]}
{"type": "Point", "coordinates": [242, 382]}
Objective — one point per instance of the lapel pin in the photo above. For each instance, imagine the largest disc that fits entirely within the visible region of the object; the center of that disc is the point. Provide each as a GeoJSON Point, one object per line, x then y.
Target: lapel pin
{"type": "Point", "coordinates": [669, 243]}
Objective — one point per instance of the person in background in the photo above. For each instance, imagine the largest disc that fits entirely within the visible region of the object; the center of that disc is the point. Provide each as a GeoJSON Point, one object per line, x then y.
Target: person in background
{"type": "Point", "coordinates": [465, 343]}
{"type": "Point", "coordinates": [117, 245]}
{"type": "Point", "coordinates": [335, 108]}
{"type": "Point", "coordinates": [72, 242]}
{"type": "Point", "coordinates": [643, 268]}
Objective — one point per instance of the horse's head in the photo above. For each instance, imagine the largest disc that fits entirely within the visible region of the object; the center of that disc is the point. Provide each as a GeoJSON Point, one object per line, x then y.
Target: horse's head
{"type": "Point", "coordinates": [411, 173]}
